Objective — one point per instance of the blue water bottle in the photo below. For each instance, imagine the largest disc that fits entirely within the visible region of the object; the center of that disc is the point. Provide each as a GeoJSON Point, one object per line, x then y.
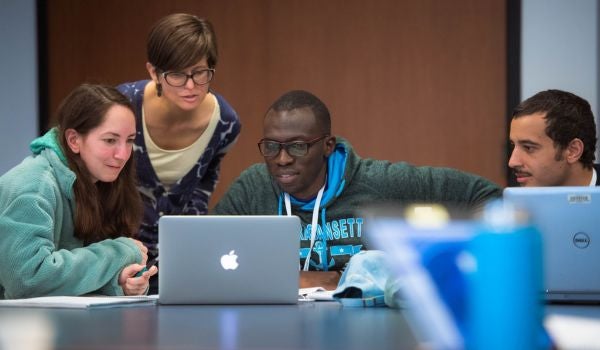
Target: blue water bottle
{"type": "Point", "coordinates": [505, 286]}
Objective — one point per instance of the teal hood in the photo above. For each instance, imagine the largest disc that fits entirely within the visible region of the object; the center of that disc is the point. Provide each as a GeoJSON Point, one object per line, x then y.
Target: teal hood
{"type": "Point", "coordinates": [48, 141]}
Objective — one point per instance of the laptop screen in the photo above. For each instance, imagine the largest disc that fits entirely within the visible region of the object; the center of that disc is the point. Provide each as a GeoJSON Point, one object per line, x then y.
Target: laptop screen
{"type": "Point", "coordinates": [228, 259]}
{"type": "Point", "coordinates": [568, 219]}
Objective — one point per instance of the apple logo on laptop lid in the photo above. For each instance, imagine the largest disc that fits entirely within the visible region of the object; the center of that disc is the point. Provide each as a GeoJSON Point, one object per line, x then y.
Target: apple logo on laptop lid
{"type": "Point", "coordinates": [229, 261]}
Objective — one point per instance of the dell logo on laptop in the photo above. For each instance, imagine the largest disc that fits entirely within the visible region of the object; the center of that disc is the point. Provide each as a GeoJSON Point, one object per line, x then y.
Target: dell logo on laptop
{"type": "Point", "coordinates": [581, 240]}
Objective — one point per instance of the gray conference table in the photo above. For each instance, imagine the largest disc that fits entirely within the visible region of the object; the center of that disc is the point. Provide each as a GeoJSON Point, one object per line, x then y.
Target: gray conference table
{"type": "Point", "coordinates": [308, 325]}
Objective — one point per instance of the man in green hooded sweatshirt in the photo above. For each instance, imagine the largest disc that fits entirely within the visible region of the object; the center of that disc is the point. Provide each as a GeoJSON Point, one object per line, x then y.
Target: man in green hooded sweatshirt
{"type": "Point", "coordinates": [312, 174]}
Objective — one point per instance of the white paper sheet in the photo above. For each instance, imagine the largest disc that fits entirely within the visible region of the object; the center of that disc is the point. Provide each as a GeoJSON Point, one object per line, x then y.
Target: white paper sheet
{"type": "Point", "coordinates": [82, 302]}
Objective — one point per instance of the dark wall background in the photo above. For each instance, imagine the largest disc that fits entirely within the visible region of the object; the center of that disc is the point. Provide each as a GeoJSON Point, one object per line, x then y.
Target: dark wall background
{"type": "Point", "coordinates": [420, 81]}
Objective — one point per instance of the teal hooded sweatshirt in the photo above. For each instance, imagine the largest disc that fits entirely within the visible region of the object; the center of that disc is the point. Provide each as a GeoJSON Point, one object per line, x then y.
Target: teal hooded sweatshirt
{"type": "Point", "coordinates": [353, 185]}
{"type": "Point", "coordinates": [39, 254]}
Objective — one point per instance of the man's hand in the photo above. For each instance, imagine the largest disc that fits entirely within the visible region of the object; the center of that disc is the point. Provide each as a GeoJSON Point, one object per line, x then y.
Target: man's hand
{"type": "Point", "coordinates": [326, 279]}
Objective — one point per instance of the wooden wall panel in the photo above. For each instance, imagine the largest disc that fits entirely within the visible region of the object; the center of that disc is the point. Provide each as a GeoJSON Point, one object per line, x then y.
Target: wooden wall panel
{"type": "Point", "coordinates": [420, 81]}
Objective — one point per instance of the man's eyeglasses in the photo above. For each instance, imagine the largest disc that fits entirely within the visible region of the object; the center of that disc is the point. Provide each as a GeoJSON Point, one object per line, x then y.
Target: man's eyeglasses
{"type": "Point", "coordinates": [199, 77]}
{"type": "Point", "coordinates": [270, 148]}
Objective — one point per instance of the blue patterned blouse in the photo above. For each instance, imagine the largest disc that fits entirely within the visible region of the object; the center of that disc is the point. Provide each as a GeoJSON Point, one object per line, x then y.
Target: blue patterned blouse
{"type": "Point", "coordinates": [190, 194]}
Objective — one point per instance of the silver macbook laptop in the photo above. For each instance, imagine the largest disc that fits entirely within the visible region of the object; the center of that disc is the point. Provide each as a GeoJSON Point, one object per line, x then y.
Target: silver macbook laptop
{"type": "Point", "coordinates": [569, 220]}
{"type": "Point", "coordinates": [228, 259]}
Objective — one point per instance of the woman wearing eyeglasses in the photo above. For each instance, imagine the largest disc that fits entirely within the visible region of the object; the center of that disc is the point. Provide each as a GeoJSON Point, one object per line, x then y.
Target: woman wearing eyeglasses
{"type": "Point", "coordinates": [183, 128]}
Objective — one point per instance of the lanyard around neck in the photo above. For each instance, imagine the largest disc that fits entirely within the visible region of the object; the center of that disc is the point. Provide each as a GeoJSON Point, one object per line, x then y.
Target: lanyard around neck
{"type": "Point", "coordinates": [315, 220]}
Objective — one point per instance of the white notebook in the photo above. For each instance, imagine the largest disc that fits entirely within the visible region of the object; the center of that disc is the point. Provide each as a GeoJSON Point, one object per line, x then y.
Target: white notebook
{"type": "Point", "coordinates": [82, 302]}
{"type": "Point", "coordinates": [315, 294]}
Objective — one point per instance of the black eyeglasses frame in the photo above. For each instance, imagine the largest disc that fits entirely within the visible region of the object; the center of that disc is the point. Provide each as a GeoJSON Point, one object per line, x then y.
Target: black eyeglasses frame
{"type": "Point", "coordinates": [287, 145]}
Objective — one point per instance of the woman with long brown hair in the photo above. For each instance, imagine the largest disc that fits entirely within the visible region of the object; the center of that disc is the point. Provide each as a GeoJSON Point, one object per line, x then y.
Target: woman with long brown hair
{"type": "Point", "coordinates": [68, 212]}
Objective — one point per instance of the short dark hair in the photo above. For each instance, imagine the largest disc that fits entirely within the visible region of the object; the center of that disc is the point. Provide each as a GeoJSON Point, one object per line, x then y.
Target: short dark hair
{"type": "Point", "coordinates": [296, 99]}
{"type": "Point", "coordinates": [180, 40]}
{"type": "Point", "coordinates": [568, 116]}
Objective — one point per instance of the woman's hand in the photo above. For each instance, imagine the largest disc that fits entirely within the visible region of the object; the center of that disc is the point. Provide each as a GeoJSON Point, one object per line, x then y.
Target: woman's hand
{"type": "Point", "coordinates": [135, 285]}
{"type": "Point", "coordinates": [143, 250]}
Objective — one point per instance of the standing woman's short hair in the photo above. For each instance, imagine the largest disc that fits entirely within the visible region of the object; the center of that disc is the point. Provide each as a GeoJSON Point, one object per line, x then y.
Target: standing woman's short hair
{"type": "Point", "coordinates": [181, 40]}
{"type": "Point", "coordinates": [102, 209]}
